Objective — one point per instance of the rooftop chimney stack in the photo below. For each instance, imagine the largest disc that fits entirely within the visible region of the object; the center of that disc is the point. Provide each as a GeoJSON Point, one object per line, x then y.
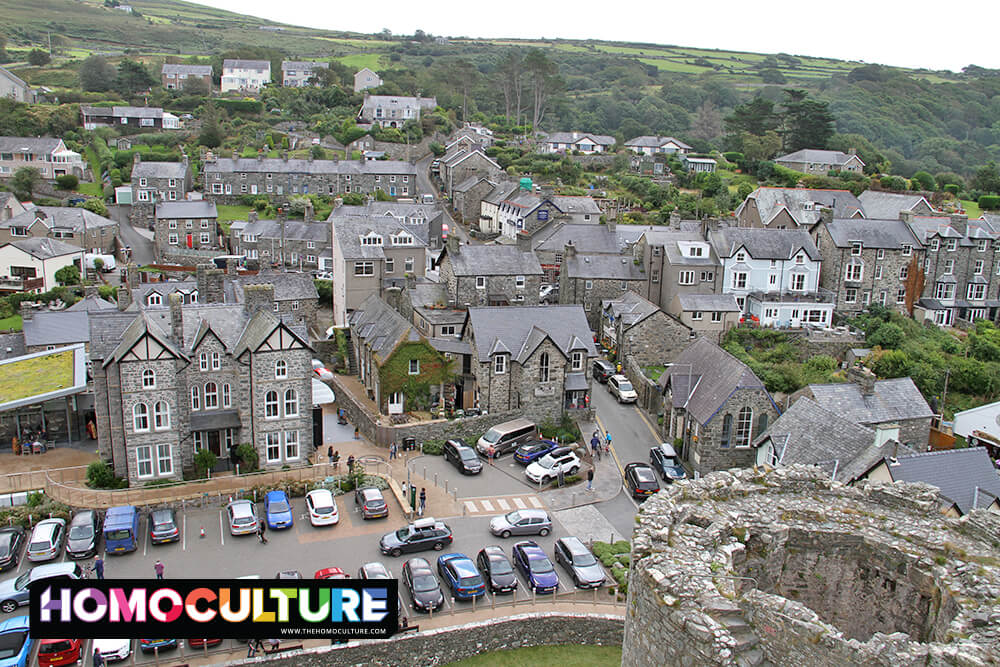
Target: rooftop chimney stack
{"type": "Point", "coordinates": [960, 223]}
{"type": "Point", "coordinates": [177, 318]}
{"type": "Point", "coordinates": [259, 298]}
{"type": "Point", "coordinates": [123, 297]}
{"type": "Point", "coordinates": [523, 241]}
{"type": "Point", "coordinates": [27, 310]}
{"type": "Point", "coordinates": [569, 250]}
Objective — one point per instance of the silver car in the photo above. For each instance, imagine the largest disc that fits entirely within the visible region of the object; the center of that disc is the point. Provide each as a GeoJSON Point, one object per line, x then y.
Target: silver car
{"type": "Point", "coordinates": [46, 540]}
{"type": "Point", "coordinates": [577, 559]}
{"type": "Point", "coordinates": [521, 522]}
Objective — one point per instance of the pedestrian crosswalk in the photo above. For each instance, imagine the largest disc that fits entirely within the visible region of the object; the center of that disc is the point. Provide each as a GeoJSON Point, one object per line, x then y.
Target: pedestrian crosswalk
{"type": "Point", "coordinates": [500, 504]}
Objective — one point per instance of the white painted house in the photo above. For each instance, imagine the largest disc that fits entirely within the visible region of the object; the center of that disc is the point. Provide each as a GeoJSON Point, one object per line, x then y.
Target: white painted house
{"type": "Point", "coordinates": [38, 258]}
{"type": "Point", "coordinates": [365, 78]}
{"type": "Point", "coordinates": [245, 76]}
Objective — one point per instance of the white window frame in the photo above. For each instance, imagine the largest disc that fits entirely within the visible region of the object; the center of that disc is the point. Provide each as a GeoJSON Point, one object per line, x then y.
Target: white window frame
{"type": "Point", "coordinates": [272, 440]}
{"type": "Point", "coordinates": [140, 418]}
{"type": "Point", "coordinates": [480, 282]}
{"type": "Point", "coordinates": [291, 449]}
{"type": "Point", "coordinates": [696, 315]}
{"type": "Point", "coordinates": [216, 357]}
{"type": "Point", "coordinates": [716, 315]}
{"type": "Point", "coordinates": [195, 399]}
{"type": "Point", "coordinates": [414, 367]}
{"type": "Point", "coordinates": [227, 396]}
{"type": "Point", "coordinates": [291, 403]}
{"type": "Point", "coordinates": [799, 278]}
{"type": "Point", "coordinates": [148, 379]}
{"type": "Point", "coordinates": [854, 272]}
{"type": "Point", "coordinates": [878, 272]}
{"type": "Point", "coordinates": [211, 396]}
{"type": "Point", "coordinates": [144, 460]}
{"type": "Point", "coordinates": [271, 406]}
{"type": "Point", "coordinates": [203, 362]}
{"type": "Point", "coordinates": [907, 250]}
{"type": "Point", "coordinates": [280, 369]}
{"type": "Point", "coordinates": [685, 277]}
{"type": "Point", "coordinates": [739, 280]}
{"type": "Point", "coordinates": [978, 267]}
{"type": "Point", "coordinates": [949, 267]}
{"type": "Point", "coordinates": [499, 364]}
{"type": "Point", "coordinates": [161, 416]}
{"type": "Point", "coordinates": [576, 360]}
{"type": "Point", "coordinates": [164, 460]}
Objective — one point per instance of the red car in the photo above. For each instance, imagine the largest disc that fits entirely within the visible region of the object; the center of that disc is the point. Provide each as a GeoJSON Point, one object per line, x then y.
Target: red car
{"type": "Point", "coordinates": [58, 652]}
{"type": "Point", "coordinates": [331, 573]}
{"type": "Point", "coordinates": [202, 643]}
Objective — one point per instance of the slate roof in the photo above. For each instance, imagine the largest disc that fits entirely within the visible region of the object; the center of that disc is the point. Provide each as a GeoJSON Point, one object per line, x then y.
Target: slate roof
{"type": "Point", "coordinates": [709, 303]}
{"type": "Point", "coordinates": [818, 156]}
{"type": "Point", "coordinates": [15, 79]}
{"type": "Point", "coordinates": [57, 328]}
{"type": "Point", "coordinates": [106, 328]}
{"type": "Point", "coordinates": [143, 169]}
{"type": "Point", "coordinates": [880, 205]}
{"type": "Point", "coordinates": [568, 138]}
{"type": "Point", "coordinates": [381, 327]}
{"type": "Point", "coordinates": [630, 308]}
{"type": "Point", "coordinates": [770, 201]}
{"type": "Point", "coordinates": [614, 267]}
{"type": "Point", "coordinates": [295, 230]}
{"type": "Point", "coordinates": [591, 239]}
{"type": "Point", "coordinates": [236, 63]}
{"type": "Point", "coordinates": [576, 205]}
{"type": "Point", "coordinates": [45, 248]}
{"type": "Point", "coordinates": [521, 329]}
{"type": "Point", "coordinates": [252, 165]}
{"type": "Point", "coordinates": [469, 183]}
{"type": "Point", "coordinates": [781, 244]}
{"type": "Point", "coordinates": [202, 208]}
{"type": "Point", "coordinates": [894, 399]}
{"type": "Point", "coordinates": [924, 227]}
{"type": "Point", "coordinates": [647, 141]}
{"type": "Point", "coordinates": [36, 145]}
{"type": "Point", "coordinates": [288, 286]}
{"type": "Point", "coordinates": [303, 65]}
{"type": "Point", "coordinates": [889, 234]}
{"type": "Point", "coordinates": [59, 216]}
{"type": "Point", "coordinates": [123, 111]}
{"type": "Point", "coordinates": [959, 473]}
{"type": "Point", "coordinates": [715, 374]}
{"type": "Point", "coordinates": [501, 191]}
{"type": "Point", "coordinates": [492, 260]}
{"type": "Point", "coordinates": [348, 230]}
{"type": "Point", "coordinates": [389, 209]}
{"type": "Point", "coordinates": [92, 303]}
{"type": "Point", "coordinates": [12, 345]}
{"type": "Point", "coordinates": [190, 70]}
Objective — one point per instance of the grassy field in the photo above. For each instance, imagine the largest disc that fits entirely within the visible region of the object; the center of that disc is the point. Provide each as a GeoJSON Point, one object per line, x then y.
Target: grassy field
{"type": "Point", "coordinates": [578, 656]}
{"type": "Point", "coordinates": [91, 189]}
{"type": "Point", "coordinates": [356, 61]}
{"type": "Point", "coordinates": [971, 208]}
{"type": "Point", "coordinates": [228, 213]}
{"type": "Point", "coordinates": [12, 323]}
{"type": "Point", "coordinates": [39, 375]}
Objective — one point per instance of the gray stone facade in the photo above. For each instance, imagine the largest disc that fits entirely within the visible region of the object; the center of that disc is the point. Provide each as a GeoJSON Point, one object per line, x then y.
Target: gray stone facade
{"type": "Point", "coordinates": [655, 340]}
{"type": "Point", "coordinates": [187, 231]}
{"type": "Point", "coordinates": [519, 388]}
{"type": "Point", "coordinates": [155, 182]}
{"type": "Point", "coordinates": [467, 201]}
{"type": "Point", "coordinates": [489, 275]}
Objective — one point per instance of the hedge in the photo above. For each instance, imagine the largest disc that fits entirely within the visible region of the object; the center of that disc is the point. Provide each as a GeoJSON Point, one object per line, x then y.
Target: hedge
{"type": "Point", "coordinates": [241, 106]}
{"type": "Point", "coordinates": [990, 202]}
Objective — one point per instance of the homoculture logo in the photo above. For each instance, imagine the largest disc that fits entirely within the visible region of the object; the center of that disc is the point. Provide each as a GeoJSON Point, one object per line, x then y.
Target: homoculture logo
{"type": "Point", "coordinates": [221, 608]}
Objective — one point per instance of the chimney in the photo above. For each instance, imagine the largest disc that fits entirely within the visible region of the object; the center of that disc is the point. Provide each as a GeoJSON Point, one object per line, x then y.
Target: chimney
{"type": "Point", "coordinates": [252, 216]}
{"type": "Point", "coordinates": [310, 212]}
{"type": "Point", "coordinates": [453, 245]}
{"type": "Point", "coordinates": [524, 241]}
{"type": "Point", "coordinates": [177, 318]}
{"type": "Point", "coordinates": [27, 310]}
{"type": "Point", "coordinates": [960, 223]}
{"type": "Point", "coordinates": [236, 156]}
{"type": "Point", "coordinates": [906, 216]}
{"type": "Point", "coordinates": [826, 215]}
{"type": "Point", "coordinates": [137, 158]}
{"type": "Point", "coordinates": [411, 281]}
{"type": "Point", "coordinates": [569, 250]}
{"type": "Point", "coordinates": [612, 226]}
{"type": "Point", "coordinates": [392, 296]}
{"type": "Point", "coordinates": [211, 281]}
{"type": "Point", "coordinates": [259, 298]}
{"type": "Point", "coordinates": [576, 135]}
{"type": "Point", "coordinates": [123, 297]}
{"type": "Point", "coordinates": [132, 276]}
{"type": "Point", "coordinates": [675, 218]}
{"type": "Point", "coordinates": [184, 160]}
{"type": "Point", "coordinates": [864, 378]}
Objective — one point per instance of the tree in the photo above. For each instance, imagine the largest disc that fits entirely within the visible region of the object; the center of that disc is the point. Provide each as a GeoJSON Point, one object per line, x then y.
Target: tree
{"type": "Point", "coordinates": [67, 182]}
{"type": "Point", "coordinates": [195, 85]}
{"type": "Point", "coordinates": [204, 461]}
{"type": "Point", "coordinates": [211, 132]}
{"type": "Point", "coordinates": [757, 148]}
{"type": "Point", "coordinates": [509, 75]}
{"type": "Point", "coordinates": [97, 74]}
{"type": "Point", "coordinates": [987, 178]}
{"type": "Point", "coordinates": [542, 75]}
{"type": "Point", "coordinates": [925, 180]}
{"type": "Point", "coordinates": [464, 75]}
{"type": "Point", "coordinates": [317, 152]}
{"type": "Point", "coordinates": [807, 123]}
{"type": "Point", "coordinates": [68, 275]}
{"type": "Point", "coordinates": [96, 206]}
{"type": "Point", "coordinates": [707, 122]}
{"type": "Point", "coordinates": [755, 117]}
{"type": "Point", "coordinates": [24, 182]}
{"type": "Point", "coordinates": [38, 57]}
{"type": "Point", "coordinates": [133, 77]}
{"type": "Point", "coordinates": [772, 75]}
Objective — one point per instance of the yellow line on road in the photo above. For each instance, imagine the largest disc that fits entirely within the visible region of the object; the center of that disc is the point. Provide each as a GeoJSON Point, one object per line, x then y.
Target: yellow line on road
{"type": "Point", "coordinates": [652, 429]}
{"type": "Point", "coordinates": [618, 463]}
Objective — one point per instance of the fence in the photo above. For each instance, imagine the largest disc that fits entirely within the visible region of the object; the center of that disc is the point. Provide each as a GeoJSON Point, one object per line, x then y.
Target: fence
{"type": "Point", "coordinates": [38, 479]}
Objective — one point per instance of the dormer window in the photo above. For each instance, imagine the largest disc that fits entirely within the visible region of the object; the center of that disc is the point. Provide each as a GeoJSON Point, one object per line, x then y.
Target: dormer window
{"type": "Point", "coordinates": [741, 256]}
{"type": "Point", "coordinates": [952, 245]}
{"type": "Point", "coordinates": [154, 300]}
{"type": "Point", "coordinates": [856, 248]}
{"type": "Point", "coordinates": [907, 250]}
{"type": "Point", "coordinates": [402, 239]}
{"type": "Point", "coordinates": [499, 364]}
{"type": "Point", "coordinates": [808, 206]}
{"type": "Point", "coordinates": [800, 259]}
{"type": "Point", "coordinates": [696, 251]}
{"type": "Point", "coordinates": [981, 245]}
{"type": "Point", "coordinates": [371, 239]}
{"type": "Point", "coordinates": [935, 244]}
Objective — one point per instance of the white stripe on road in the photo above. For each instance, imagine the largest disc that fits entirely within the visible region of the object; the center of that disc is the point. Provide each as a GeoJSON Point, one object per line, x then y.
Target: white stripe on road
{"type": "Point", "coordinates": [184, 527]}
{"type": "Point", "coordinates": [535, 502]}
{"type": "Point", "coordinates": [519, 504]}
{"type": "Point", "coordinates": [222, 533]}
{"type": "Point", "coordinates": [487, 505]}
{"type": "Point", "coordinates": [502, 504]}
{"type": "Point", "coordinates": [471, 506]}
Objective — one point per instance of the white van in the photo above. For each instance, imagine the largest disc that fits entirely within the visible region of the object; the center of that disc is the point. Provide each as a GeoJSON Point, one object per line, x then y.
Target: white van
{"type": "Point", "coordinates": [507, 437]}
{"type": "Point", "coordinates": [108, 261]}
{"type": "Point", "coordinates": [426, 199]}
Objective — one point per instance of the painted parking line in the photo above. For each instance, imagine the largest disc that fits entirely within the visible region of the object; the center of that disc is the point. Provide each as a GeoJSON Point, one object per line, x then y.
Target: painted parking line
{"type": "Point", "coordinates": [222, 532]}
{"type": "Point", "coordinates": [487, 505]}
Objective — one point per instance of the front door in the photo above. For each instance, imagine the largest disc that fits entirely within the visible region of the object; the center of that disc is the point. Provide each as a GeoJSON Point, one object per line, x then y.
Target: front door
{"type": "Point", "coordinates": [396, 403]}
{"type": "Point", "coordinates": [215, 443]}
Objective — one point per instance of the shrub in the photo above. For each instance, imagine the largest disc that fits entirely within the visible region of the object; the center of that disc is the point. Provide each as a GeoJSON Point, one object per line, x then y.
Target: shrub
{"type": "Point", "coordinates": [101, 476]}
{"type": "Point", "coordinates": [249, 458]}
{"type": "Point", "coordinates": [324, 288]}
{"type": "Point", "coordinates": [989, 202]}
{"type": "Point", "coordinates": [437, 149]}
{"type": "Point", "coordinates": [433, 447]}
{"type": "Point", "coordinates": [96, 206]}
{"type": "Point", "coordinates": [204, 461]}
{"type": "Point", "coordinates": [951, 188]}
{"type": "Point", "coordinates": [67, 182]}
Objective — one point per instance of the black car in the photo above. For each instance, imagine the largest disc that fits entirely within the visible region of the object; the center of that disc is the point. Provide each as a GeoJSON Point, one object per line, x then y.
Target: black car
{"type": "Point", "coordinates": [497, 570]}
{"type": "Point", "coordinates": [288, 574]}
{"type": "Point", "coordinates": [11, 543]}
{"type": "Point", "coordinates": [640, 480]}
{"type": "Point", "coordinates": [425, 590]}
{"type": "Point", "coordinates": [420, 535]}
{"type": "Point", "coordinates": [371, 502]}
{"type": "Point", "coordinates": [163, 526]}
{"type": "Point", "coordinates": [603, 370]}
{"type": "Point", "coordinates": [84, 534]}
{"type": "Point", "coordinates": [664, 461]}
{"type": "Point", "coordinates": [462, 457]}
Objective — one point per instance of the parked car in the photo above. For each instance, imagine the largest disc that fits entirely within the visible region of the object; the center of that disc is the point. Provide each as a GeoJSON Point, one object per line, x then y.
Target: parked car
{"type": "Point", "coordinates": [548, 293]}
{"type": "Point", "coordinates": [288, 574]}
{"type": "Point", "coordinates": [640, 480]}
{"type": "Point", "coordinates": [321, 371]}
{"type": "Point", "coordinates": [372, 503]}
{"type": "Point", "coordinates": [602, 370]}
{"type": "Point", "coordinates": [322, 507]}
{"type": "Point", "coordinates": [533, 450]}
{"type": "Point", "coordinates": [278, 510]}
{"type": "Point", "coordinates": [46, 540]}
{"type": "Point", "coordinates": [202, 643]}
{"type": "Point", "coordinates": [622, 389]}
{"type": "Point", "coordinates": [420, 535]}
{"type": "Point", "coordinates": [84, 534]}
{"type": "Point", "coordinates": [521, 522]}
{"type": "Point", "coordinates": [574, 555]}
{"type": "Point", "coordinates": [425, 591]}
{"type": "Point", "coordinates": [11, 543]}
{"type": "Point", "coordinates": [113, 650]}
{"type": "Point", "coordinates": [461, 575]}
{"type": "Point", "coordinates": [331, 573]}
{"type": "Point", "coordinates": [16, 643]}
{"type": "Point", "coordinates": [536, 567]}
{"type": "Point", "coordinates": [496, 569]}
{"type": "Point", "coordinates": [665, 461]}
{"type": "Point", "coordinates": [14, 591]}
{"type": "Point", "coordinates": [156, 645]}
{"type": "Point", "coordinates": [374, 570]}
{"type": "Point", "coordinates": [163, 526]}
{"type": "Point", "coordinates": [546, 469]}
{"type": "Point", "coordinates": [462, 457]}
{"type": "Point", "coordinates": [59, 652]}
{"type": "Point", "coordinates": [242, 517]}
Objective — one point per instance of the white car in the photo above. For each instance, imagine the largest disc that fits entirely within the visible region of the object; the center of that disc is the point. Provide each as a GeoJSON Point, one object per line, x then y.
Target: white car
{"type": "Point", "coordinates": [46, 540]}
{"type": "Point", "coordinates": [546, 469]}
{"type": "Point", "coordinates": [114, 650]}
{"type": "Point", "coordinates": [322, 508]}
{"type": "Point", "coordinates": [622, 389]}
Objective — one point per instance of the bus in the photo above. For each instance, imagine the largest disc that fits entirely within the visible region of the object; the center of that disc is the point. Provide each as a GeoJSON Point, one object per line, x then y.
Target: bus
{"type": "Point", "coordinates": [121, 529]}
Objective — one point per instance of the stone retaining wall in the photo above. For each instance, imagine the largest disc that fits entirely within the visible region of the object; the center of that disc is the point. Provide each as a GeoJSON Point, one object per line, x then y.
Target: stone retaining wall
{"type": "Point", "coordinates": [469, 429]}
{"type": "Point", "coordinates": [447, 645]}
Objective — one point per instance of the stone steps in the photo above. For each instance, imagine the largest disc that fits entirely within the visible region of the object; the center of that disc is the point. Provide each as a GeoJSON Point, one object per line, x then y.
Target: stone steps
{"type": "Point", "coordinates": [752, 658]}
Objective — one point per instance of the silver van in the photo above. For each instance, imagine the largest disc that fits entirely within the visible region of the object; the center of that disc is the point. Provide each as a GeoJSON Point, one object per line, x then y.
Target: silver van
{"type": "Point", "coordinates": [507, 437]}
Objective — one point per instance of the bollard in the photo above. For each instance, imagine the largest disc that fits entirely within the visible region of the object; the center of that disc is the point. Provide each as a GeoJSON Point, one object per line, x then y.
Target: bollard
{"type": "Point", "coordinates": [430, 612]}
{"type": "Point", "coordinates": [425, 472]}
{"type": "Point", "coordinates": [156, 655]}
{"type": "Point", "coordinates": [204, 645]}
{"type": "Point", "coordinates": [513, 598]}
{"type": "Point", "coordinates": [473, 603]}
{"type": "Point", "coordinates": [446, 486]}
{"type": "Point", "coordinates": [493, 600]}
{"type": "Point", "coordinates": [595, 594]}
{"type": "Point", "coordinates": [454, 494]}
{"type": "Point", "coordinates": [533, 596]}
{"type": "Point", "coordinates": [452, 606]}
{"type": "Point", "coordinates": [435, 480]}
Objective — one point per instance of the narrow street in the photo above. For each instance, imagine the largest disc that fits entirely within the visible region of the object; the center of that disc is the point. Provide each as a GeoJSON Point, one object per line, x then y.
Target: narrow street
{"type": "Point", "coordinates": [426, 186]}
{"type": "Point", "coordinates": [140, 241]}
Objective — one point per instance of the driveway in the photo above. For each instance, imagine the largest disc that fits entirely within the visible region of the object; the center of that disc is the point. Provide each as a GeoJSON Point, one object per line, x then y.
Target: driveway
{"type": "Point", "coordinates": [141, 241]}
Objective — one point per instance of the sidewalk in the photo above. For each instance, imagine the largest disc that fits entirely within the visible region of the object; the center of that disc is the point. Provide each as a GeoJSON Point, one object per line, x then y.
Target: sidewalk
{"type": "Point", "coordinates": [607, 479]}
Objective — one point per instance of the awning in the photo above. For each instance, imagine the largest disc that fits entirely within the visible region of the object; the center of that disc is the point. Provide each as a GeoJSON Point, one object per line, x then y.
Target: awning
{"type": "Point", "coordinates": [576, 382]}
{"type": "Point", "coordinates": [322, 394]}
{"type": "Point", "coordinates": [214, 420]}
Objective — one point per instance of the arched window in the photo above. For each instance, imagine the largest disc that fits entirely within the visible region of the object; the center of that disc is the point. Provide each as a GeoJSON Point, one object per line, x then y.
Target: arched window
{"type": "Point", "coordinates": [227, 399]}
{"type": "Point", "coordinates": [195, 399]}
{"type": "Point", "coordinates": [271, 405]}
{"type": "Point", "coordinates": [140, 417]}
{"type": "Point", "coordinates": [727, 431]}
{"type": "Point", "coordinates": [211, 395]}
{"type": "Point", "coordinates": [761, 423]}
{"type": "Point", "coordinates": [743, 424]}
{"type": "Point", "coordinates": [291, 403]}
{"type": "Point", "coordinates": [148, 379]}
{"type": "Point", "coordinates": [280, 369]}
{"type": "Point", "coordinates": [543, 367]}
{"type": "Point", "coordinates": [161, 416]}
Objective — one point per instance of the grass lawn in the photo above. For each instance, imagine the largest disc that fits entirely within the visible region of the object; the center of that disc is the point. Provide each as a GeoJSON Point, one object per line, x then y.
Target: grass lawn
{"type": "Point", "coordinates": [92, 189]}
{"type": "Point", "coordinates": [578, 656]}
{"type": "Point", "coordinates": [228, 213]}
{"type": "Point", "coordinates": [12, 323]}
{"type": "Point", "coordinates": [971, 208]}
{"type": "Point", "coordinates": [38, 375]}
{"type": "Point", "coordinates": [654, 372]}
{"type": "Point", "coordinates": [372, 61]}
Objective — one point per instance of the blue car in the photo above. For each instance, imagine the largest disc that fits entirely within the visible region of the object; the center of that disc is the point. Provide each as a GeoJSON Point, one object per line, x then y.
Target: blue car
{"type": "Point", "coordinates": [536, 567]}
{"type": "Point", "coordinates": [461, 575]}
{"type": "Point", "coordinates": [533, 450]}
{"type": "Point", "coordinates": [151, 645]}
{"type": "Point", "coordinates": [15, 642]}
{"type": "Point", "coordinates": [278, 510]}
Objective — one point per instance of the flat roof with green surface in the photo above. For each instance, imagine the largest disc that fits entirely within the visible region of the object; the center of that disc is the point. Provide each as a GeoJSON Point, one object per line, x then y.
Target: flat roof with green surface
{"type": "Point", "coordinates": [42, 376]}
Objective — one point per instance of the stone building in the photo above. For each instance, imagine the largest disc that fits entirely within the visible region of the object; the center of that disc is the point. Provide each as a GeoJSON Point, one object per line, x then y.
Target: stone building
{"type": "Point", "coordinates": [527, 212]}
{"type": "Point", "coordinates": [171, 381]}
{"type": "Point", "coordinates": [295, 297]}
{"type": "Point", "coordinates": [535, 359]}
{"type": "Point", "coordinates": [715, 405]}
{"type": "Point", "coordinates": [365, 78]}
{"type": "Point", "coordinates": [294, 244]}
{"type": "Point", "coordinates": [783, 566]}
{"type": "Point", "coordinates": [9, 206]}
{"type": "Point", "coordinates": [128, 119]}
{"type": "Point", "coordinates": [636, 329]}
{"type": "Point", "coordinates": [296, 73]}
{"type": "Point", "coordinates": [880, 205]}
{"type": "Point", "coordinates": [48, 155]}
{"type": "Point", "coordinates": [609, 239]}
{"type": "Point", "coordinates": [424, 220]}
{"type": "Point", "coordinates": [73, 225]}
{"type": "Point", "coordinates": [590, 280]}
{"type": "Point", "coordinates": [708, 315]}
{"type": "Point", "coordinates": [185, 232]}
{"type": "Point", "coordinates": [795, 208]}
{"type": "Point", "coordinates": [154, 182]}
{"type": "Point", "coordinates": [677, 260]}
{"type": "Point", "coordinates": [821, 162]}
{"type": "Point", "coordinates": [394, 110]}
{"type": "Point", "coordinates": [464, 163]}
{"type": "Point", "coordinates": [175, 77]}
{"type": "Point", "coordinates": [226, 180]}
{"type": "Point", "coordinates": [489, 275]}
{"type": "Point", "coordinates": [467, 197]}
{"type": "Point", "coordinates": [427, 305]}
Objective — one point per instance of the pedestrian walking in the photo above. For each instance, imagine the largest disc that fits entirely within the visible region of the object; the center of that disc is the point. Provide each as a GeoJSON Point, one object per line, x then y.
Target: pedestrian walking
{"type": "Point", "coordinates": [423, 499]}
{"type": "Point", "coordinates": [253, 646]}
{"type": "Point", "coordinates": [350, 464]}
{"type": "Point", "coordinates": [261, 529]}
{"type": "Point", "coordinates": [98, 566]}
{"type": "Point", "coordinates": [607, 442]}
{"type": "Point", "coordinates": [595, 446]}
{"type": "Point", "coordinates": [562, 476]}
{"type": "Point", "coordinates": [273, 645]}
{"type": "Point", "coordinates": [490, 454]}
{"type": "Point", "coordinates": [357, 433]}
{"type": "Point", "coordinates": [590, 479]}
{"type": "Point", "coordinates": [98, 658]}
{"type": "Point", "coordinates": [392, 451]}
{"type": "Point", "coordinates": [158, 568]}
{"type": "Point", "coordinates": [335, 460]}
{"type": "Point", "coordinates": [329, 454]}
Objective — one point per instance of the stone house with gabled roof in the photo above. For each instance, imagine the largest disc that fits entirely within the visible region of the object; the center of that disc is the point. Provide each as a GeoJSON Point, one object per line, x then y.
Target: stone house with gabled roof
{"type": "Point", "coordinates": [489, 275]}
{"type": "Point", "coordinates": [464, 163]}
{"type": "Point", "coordinates": [154, 182]}
{"type": "Point", "coordinates": [530, 213]}
{"type": "Point", "coordinates": [14, 88]}
{"type": "Point", "coordinates": [535, 359]}
{"type": "Point", "coordinates": [467, 197]}
{"type": "Point", "coordinates": [365, 78]}
{"type": "Point", "coordinates": [590, 280]}
{"type": "Point", "coordinates": [186, 231]}
{"type": "Point", "coordinates": [169, 382]}
{"type": "Point", "coordinates": [397, 364]}
{"type": "Point", "coordinates": [298, 73]}
{"type": "Point", "coordinates": [821, 162]}
{"type": "Point", "coordinates": [795, 208]}
{"type": "Point", "coordinates": [175, 76]}
{"type": "Point", "coordinates": [584, 142]}
{"type": "Point", "coordinates": [245, 76]}
{"type": "Point", "coordinates": [880, 205]}
{"type": "Point", "coordinates": [715, 406]}
{"type": "Point", "coordinates": [68, 224]}
{"type": "Point", "coordinates": [393, 110]}
{"type": "Point", "coordinates": [9, 206]}
{"type": "Point", "coordinates": [636, 329]}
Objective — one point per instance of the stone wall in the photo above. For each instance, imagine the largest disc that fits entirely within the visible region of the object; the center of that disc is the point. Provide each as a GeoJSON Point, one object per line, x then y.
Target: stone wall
{"type": "Point", "coordinates": [656, 340]}
{"type": "Point", "coordinates": [447, 645]}
{"type": "Point", "coordinates": [469, 429]}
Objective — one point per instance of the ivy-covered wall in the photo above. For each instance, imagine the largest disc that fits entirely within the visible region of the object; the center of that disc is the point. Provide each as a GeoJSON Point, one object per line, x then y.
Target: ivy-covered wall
{"type": "Point", "coordinates": [394, 375]}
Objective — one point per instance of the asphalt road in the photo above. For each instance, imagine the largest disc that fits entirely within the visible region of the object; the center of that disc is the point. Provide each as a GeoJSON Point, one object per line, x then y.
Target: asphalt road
{"type": "Point", "coordinates": [142, 246]}
{"type": "Point", "coordinates": [426, 186]}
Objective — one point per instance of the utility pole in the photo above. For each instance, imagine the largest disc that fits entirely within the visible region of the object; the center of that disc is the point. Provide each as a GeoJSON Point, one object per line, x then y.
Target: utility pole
{"type": "Point", "coordinates": [944, 395]}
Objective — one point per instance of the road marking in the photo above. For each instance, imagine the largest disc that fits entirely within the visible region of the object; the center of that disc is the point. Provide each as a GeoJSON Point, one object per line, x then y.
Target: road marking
{"type": "Point", "coordinates": [222, 533]}
{"type": "Point", "coordinates": [487, 505]}
{"type": "Point", "coordinates": [479, 506]}
{"type": "Point", "coordinates": [471, 507]}
{"type": "Point", "coordinates": [600, 425]}
{"type": "Point", "coordinates": [535, 502]}
{"type": "Point", "coordinates": [649, 424]}
{"type": "Point", "coordinates": [519, 503]}
{"type": "Point", "coordinates": [502, 504]}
